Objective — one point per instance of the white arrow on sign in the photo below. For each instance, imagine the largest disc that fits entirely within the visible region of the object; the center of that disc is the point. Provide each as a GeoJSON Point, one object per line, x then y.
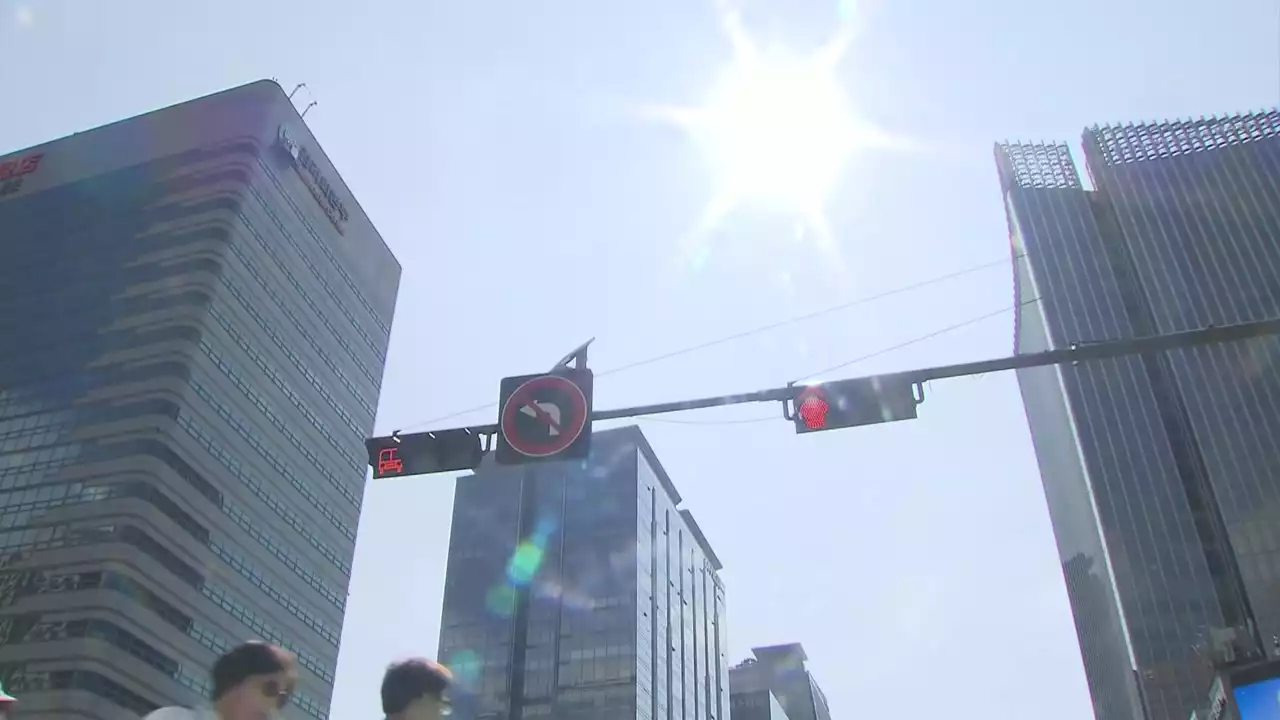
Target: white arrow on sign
{"type": "Point", "coordinates": [546, 412]}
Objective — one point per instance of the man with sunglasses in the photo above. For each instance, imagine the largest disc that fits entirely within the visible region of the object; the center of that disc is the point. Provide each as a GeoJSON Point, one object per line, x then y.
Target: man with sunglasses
{"type": "Point", "coordinates": [416, 690]}
{"type": "Point", "coordinates": [251, 682]}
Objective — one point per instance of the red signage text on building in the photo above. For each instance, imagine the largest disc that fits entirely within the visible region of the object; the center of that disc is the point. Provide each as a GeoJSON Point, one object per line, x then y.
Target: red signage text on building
{"type": "Point", "coordinates": [13, 171]}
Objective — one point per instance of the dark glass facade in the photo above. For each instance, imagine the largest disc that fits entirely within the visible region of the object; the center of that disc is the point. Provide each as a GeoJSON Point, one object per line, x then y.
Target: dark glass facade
{"type": "Point", "coordinates": [755, 705]}
{"type": "Point", "coordinates": [1162, 472]}
{"type": "Point", "coordinates": [777, 675]}
{"type": "Point", "coordinates": [580, 590]}
{"type": "Point", "coordinates": [195, 353]}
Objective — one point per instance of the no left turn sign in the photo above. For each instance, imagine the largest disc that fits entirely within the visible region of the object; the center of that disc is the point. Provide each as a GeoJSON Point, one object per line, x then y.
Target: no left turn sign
{"type": "Point", "coordinates": [545, 417]}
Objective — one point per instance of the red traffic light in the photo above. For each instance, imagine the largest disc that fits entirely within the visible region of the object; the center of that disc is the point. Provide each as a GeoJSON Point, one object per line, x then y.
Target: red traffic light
{"type": "Point", "coordinates": [812, 407]}
{"type": "Point", "coordinates": [851, 403]}
{"type": "Point", "coordinates": [389, 462]}
{"type": "Point", "coordinates": [424, 453]}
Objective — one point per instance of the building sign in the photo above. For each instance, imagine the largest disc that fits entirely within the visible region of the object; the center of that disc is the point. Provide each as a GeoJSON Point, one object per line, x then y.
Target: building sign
{"type": "Point", "coordinates": [315, 181]}
{"type": "Point", "coordinates": [12, 172]}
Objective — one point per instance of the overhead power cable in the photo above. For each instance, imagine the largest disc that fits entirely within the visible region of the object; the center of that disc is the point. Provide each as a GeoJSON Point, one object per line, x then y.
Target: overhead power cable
{"type": "Point", "coordinates": [922, 338]}
{"type": "Point", "coordinates": [883, 351]}
{"type": "Point", "coordinates": [762, 329]}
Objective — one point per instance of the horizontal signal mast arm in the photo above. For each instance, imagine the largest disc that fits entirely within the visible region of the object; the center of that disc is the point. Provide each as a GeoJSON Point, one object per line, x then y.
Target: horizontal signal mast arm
{"type": "Point", "coordinates": [1078, 352]}
{"type": "Point", "coordinates": [1098, 350]}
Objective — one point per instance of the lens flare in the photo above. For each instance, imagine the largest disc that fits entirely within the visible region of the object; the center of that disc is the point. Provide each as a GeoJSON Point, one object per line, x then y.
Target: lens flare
{"type": "Point", "coordinates": [524, 563]}
{"type": "Point", "coordinates": [501, 600]}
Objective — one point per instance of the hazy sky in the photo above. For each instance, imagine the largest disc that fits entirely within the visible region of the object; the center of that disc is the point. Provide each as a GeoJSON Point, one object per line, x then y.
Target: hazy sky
{"type": "Point", "coordinates": [493, 145]}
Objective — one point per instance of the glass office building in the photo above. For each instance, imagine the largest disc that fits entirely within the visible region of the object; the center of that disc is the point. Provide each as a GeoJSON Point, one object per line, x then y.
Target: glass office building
{"type": "Point", "coordinates": [774, 683]}
{"type": "Point", "coordinates": [581, 590]}
{"type": "Point", "coordinates": [196, 315]}
{"type": "Point", "coordinates": [755, 705]}
{"type": "Point", "coordinates": [1162, 473]}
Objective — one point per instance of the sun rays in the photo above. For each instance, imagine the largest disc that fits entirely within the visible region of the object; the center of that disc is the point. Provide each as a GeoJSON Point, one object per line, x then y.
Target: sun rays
{"type": "Point", "coordinates": [778, 131]}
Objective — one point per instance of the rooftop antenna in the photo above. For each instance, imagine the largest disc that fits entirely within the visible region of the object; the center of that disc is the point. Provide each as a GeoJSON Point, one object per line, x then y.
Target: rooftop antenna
{"type": "Point", "coordinates": [313, 104]}
{"type": "Point", "coordinates": [295, 90]}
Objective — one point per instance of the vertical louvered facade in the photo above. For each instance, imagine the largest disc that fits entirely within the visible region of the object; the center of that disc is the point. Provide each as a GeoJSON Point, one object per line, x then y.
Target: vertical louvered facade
{"type": "Point", "coordinates": [1162, 473]}
{"type": "Point", "coordinates": [195, 317]}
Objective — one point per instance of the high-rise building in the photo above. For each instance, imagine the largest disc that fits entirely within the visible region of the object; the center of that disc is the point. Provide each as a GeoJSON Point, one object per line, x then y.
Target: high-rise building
{"type": "Point", "coordinates": [1162, 472]}
{"type": "Point", "coordinates": [776, 676]}
{"type": "Point", "coordinates": [195, 315]}
{"type": "Point", "coordinates": [581, 590]}
{"type": "Point", "coordinates": [754, 704]}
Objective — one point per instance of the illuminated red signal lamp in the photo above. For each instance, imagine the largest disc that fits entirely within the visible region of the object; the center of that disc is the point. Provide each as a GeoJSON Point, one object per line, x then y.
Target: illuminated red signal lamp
{"type": "Point", "coordinates": [812, 408]}
{"type": "Point", "coordinates": [852, 403]}
{"type": "Point", "coordinates": [425, 453]}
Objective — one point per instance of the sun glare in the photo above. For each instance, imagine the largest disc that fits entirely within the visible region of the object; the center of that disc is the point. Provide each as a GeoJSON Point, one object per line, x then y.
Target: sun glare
{"type": "Point", "coordinates": [778, 130]}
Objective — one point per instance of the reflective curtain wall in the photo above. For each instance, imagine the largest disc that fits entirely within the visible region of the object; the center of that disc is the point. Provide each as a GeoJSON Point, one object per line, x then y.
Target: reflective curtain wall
{"type": "Point", "coordinates": [182, 422]}
{"type": "Point", "coordinates": [1162, 473]}
{"type": "Point", "coordinates": [581, 590]}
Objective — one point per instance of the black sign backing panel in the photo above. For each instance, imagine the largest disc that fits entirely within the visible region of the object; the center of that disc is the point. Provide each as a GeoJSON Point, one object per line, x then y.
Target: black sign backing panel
{"type": "Point", "coordinates": [544, 417]}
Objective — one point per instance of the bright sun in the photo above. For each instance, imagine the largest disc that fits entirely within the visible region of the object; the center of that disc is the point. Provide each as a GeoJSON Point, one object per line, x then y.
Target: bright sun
{"type": "Point", "coordinates": [777, 129]}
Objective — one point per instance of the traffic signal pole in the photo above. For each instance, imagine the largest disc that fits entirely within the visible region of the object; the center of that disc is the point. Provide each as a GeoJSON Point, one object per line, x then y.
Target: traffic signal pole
{"type": "Point", "coordinates": [466, 445]}
{"type": "Point", "coordinates": [1075, 353]}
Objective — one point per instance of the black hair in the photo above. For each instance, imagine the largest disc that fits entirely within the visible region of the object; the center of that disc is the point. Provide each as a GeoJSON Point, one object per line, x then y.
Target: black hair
{"type": "Point", "coordinates": [245, 661]}
{"type": "Point", "coordinates": [411, 679]}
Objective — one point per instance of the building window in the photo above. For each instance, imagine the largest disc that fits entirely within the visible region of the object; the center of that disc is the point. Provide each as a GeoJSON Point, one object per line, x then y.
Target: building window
{"type": "Point", "coordinates": [244, 431]}
{"type": "Point", "coordinates": [291, 519]}
{"type": "Point", "coordinates": [19, 680]}
{"type": "Point", "coordinates": [227, 460]}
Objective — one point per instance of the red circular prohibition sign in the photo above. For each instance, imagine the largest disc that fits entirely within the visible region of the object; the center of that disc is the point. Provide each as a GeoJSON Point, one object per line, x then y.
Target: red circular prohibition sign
{"type": "Point", "coordinates": [571, 427]}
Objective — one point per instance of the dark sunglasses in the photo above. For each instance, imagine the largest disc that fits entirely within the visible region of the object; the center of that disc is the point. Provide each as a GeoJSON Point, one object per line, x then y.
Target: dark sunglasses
{"type": "Point", "coordinates": [279, 691]}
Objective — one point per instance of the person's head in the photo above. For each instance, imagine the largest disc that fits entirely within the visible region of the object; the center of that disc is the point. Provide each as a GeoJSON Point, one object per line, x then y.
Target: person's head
{"type": "Point", "coordinates": [253, 681]}
{"type": "Point", "coordinates": [416, 690]}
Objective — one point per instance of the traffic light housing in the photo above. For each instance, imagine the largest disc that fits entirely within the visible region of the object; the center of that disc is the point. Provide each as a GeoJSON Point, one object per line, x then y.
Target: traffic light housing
{"type": "Point", "coordinates": [851, 403]}
{"type": "Point", "coordinates": [398, 455]}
